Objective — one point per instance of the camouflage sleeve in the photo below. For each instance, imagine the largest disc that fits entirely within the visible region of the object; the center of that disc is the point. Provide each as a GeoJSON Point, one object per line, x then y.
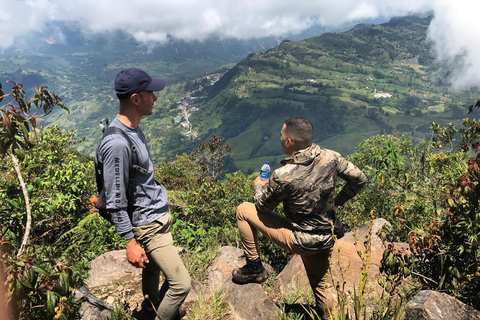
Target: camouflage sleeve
{"type": "Point", "coordinates": [268, 198]}
{"type": "Point", "coordinates": [354, 177]}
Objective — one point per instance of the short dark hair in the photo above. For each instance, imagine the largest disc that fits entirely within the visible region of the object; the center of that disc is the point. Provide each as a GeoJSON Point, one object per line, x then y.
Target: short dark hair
{"type": "Point", "coordinates": [300, 130]}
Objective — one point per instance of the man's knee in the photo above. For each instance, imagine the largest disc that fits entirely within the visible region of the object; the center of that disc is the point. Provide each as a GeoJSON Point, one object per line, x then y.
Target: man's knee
{"type": "Point", "coordinates": [244, 210]}
{"type": "Point", "coordinates": [184, 287]}
{"type": "Point", "coordinates": [187, 286]}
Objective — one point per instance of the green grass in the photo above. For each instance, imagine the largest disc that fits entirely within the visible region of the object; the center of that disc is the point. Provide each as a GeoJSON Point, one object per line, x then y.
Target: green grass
{"type": "Point", "coordinates": [212, 307]}
{"type": "Point", "coordinates": [437, 108]}
{"type": "Point", "coordinates": [390, 110]}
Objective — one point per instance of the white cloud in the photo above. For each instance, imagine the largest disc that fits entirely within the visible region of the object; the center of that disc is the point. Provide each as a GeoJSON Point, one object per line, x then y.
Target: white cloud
{"type": "Point", "coordinates": [151, 20]}
{"type": "Point", "coordinates": [453, 31]}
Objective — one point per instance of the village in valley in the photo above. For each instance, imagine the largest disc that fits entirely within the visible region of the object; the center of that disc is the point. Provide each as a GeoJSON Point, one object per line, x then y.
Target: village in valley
{"type": "Point", "coordinates": [191, 103]}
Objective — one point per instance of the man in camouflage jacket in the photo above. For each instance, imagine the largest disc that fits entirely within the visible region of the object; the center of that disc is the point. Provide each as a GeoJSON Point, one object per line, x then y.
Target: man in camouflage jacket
{"type": "Point", "coordinates": [306, 185]}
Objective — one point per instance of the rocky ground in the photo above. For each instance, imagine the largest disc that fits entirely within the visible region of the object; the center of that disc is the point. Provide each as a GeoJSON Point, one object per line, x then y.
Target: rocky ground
{"type": "Point", "coordinates": [114, 281]}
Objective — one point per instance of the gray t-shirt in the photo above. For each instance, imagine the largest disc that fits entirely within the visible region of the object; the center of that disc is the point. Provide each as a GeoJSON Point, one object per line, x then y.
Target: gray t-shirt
{"type": "Point", "coordinates": [150, 200]}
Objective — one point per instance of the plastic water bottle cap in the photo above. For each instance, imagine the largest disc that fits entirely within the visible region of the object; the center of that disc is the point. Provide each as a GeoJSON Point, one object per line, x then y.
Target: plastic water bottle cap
{"type": "Point", "coordinates": [267, 162]}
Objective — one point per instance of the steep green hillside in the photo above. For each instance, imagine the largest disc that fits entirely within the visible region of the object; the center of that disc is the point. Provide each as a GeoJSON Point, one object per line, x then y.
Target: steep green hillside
{"type": "Point", "coordinates": [352, 85]}
{"type": "Point", "coordinates": [371, 79]}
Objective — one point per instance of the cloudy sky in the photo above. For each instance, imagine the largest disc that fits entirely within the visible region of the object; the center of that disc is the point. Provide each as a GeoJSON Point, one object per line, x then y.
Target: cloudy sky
{"type": "Point", "coordinates": [454, 30]}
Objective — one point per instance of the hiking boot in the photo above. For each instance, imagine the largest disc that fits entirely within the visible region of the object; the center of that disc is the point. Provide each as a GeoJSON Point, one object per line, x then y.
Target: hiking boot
{"type": "Point", "coordinates": [147, 312]}
{"type": "Point", "coordinates": [253, 271]}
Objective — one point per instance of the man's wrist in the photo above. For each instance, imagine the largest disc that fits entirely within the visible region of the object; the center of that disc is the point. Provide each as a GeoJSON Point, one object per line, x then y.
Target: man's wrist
{"type": "Point", "coordinates": [131, 242]}
{"type": "Point", "coordinates": [128, 236]}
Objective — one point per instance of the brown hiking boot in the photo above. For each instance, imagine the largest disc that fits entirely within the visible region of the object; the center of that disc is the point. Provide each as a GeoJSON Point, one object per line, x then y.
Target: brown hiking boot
{"type": "Point", "coordinates": [252, 272]}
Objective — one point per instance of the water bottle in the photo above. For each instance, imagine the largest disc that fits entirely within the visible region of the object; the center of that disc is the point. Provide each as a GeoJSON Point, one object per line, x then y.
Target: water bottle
{"type": "Point", "coordinates": [265, 171]}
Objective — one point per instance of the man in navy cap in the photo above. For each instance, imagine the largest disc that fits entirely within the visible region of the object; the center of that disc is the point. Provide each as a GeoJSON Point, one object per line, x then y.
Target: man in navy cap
{"type": "Point", "coordinates": [138, 205]}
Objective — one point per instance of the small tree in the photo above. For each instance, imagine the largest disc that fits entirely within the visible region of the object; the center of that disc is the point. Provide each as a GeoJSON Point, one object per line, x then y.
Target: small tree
{"type": "Point", "coordinates": [20, 129]}
{"type": "Point", "coordinates": [446, 252]}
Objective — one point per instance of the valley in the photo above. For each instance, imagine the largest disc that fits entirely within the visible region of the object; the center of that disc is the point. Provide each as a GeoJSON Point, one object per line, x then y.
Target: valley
{"type": "Point", "coordinates": [372, 79]}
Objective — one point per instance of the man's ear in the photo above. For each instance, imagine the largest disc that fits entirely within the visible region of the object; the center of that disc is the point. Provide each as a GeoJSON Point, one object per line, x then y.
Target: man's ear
{"type": "Point", "coordinates": [289, 142]}
{"type": "Point", "coordinates": [135, 99]}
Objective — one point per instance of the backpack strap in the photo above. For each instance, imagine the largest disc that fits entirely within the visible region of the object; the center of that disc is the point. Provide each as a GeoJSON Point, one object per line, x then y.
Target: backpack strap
{"type": "Point", "coordinates": [134, 164]}
{"type": "Point", "coordinates": [133, 167]}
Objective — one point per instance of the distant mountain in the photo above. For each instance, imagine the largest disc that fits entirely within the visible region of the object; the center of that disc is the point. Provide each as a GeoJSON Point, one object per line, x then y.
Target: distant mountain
{"type": "Point", "coordinates": [371, 79]}
{"type": "Point", "coordinates": [63, 49]}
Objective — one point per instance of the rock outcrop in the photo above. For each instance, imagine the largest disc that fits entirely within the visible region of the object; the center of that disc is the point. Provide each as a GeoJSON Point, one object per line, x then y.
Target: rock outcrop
{"type": "Point", "coordinates": [249, 301]}
{"type": "Point", "coordinates": [92, 308]}
{"type": "Point", "coordinates": [111, 267]}
{"type": "Point", "coordinates": [346, 263]}
{"type": "Point", "coordinates": [113, 279]}
{"type": "Point", "coordinates": [432, 305]}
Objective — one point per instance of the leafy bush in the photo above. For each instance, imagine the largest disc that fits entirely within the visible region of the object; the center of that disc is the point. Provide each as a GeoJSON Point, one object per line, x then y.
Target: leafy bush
{"type": "Point", "coordinates": [61, 197]}
{"type": "Point", "coordinates": [91, 237]}
{"type": "Point", "coordinates": [447, 251]}
{"type": "Point", "coordinates": [37, 289]}
{"type": "Point", "coordinates": [59, 182]}
{"type": "Point", "coordinates": [406, 182]}
{"type": "Point", "coordinates": [19, 132]}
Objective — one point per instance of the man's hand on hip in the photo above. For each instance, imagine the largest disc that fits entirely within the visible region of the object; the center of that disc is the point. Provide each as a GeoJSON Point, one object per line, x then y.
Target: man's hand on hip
{"type": "Point", "coordinates": [136, 255]}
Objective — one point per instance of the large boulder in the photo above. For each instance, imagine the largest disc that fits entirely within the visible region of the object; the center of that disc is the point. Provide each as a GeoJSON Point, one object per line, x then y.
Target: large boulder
{"type": "Point", "coordinates": [113, 280]}
{"type": "Point", "coordinates": [227, 259]}
{"type": "Point", "coordinates": [361, 232]}
{"type": "Point", "coordinates": [111, 267]}
{"type": "Point", "coordinates": [220, 271]}
{"type": "Point", "coordinates": [433, 305]}
{"type": "Point", "coordinates": [345, 266]}
{"type": "Point", "coordinates": [346, 263]}
{"type": "Point", "coordinates": [246, 302]}
{"type": "Point", "coordinates": [293, 279]}
{"type": "Point", "coordinates": [249, 301]}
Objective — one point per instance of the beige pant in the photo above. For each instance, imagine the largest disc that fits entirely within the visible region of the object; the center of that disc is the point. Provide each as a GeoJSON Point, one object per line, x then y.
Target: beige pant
{"type": "Point", "coordinates": [276, 228]}
{"type": "Point", "coordinates": [157, 241]}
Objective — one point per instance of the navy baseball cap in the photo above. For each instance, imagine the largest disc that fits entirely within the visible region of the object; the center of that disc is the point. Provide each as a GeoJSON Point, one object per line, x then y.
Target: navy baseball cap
{"type": "Point", "coordinates": [133, 80]}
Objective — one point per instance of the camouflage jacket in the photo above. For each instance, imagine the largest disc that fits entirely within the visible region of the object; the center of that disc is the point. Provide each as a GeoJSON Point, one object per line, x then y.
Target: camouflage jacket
{"type": "Point", "coordinates": [306, 185]}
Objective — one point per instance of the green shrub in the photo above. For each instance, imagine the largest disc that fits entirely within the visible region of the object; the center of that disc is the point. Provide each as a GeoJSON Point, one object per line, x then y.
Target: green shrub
{"type": "Point", "coordinates": [406, 182]}
{"type": "Point", "coordinates": [59, 183]}
{"type": "Point", "coordinates": [445, 249]}
{"type": "Point", "coordinates": [446, 252]}
{"type": "Point", "coordinates": [37, 289]}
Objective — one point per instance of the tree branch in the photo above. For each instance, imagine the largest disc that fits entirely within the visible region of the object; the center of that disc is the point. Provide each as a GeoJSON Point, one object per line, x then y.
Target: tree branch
{"type": "Point", "coordinates": [27, 204]}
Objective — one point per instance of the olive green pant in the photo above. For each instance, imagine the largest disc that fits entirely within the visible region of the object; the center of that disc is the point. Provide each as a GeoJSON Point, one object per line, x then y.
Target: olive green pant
{"type": "Point", "coordinates": [276, 228]}
{"type": "Point", "coordinates": [156, 239]}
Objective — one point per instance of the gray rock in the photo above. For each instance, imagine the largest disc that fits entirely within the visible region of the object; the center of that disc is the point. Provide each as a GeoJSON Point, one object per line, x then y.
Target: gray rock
{"type": "Point", "coordinates": [292, 278]}
{"type": "Point", "coordinates": [362, 231]}
{"type": "Point", "coordinates": [227, 259]}
{"type": "Point", "coordinates": [197, 290]}
{"type": "Point", "coordinates": [91, 308]}
{"type": "Point", "coordinates": [249, 301]}
{"type": "Point", "coordinates": [432, 305]}
{"type": "Point", "coordinates": [111, 267]}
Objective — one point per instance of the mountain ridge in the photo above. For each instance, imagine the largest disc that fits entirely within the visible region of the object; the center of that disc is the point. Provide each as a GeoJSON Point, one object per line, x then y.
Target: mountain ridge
{"type": "Point", "coordinates": [370, 79]}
